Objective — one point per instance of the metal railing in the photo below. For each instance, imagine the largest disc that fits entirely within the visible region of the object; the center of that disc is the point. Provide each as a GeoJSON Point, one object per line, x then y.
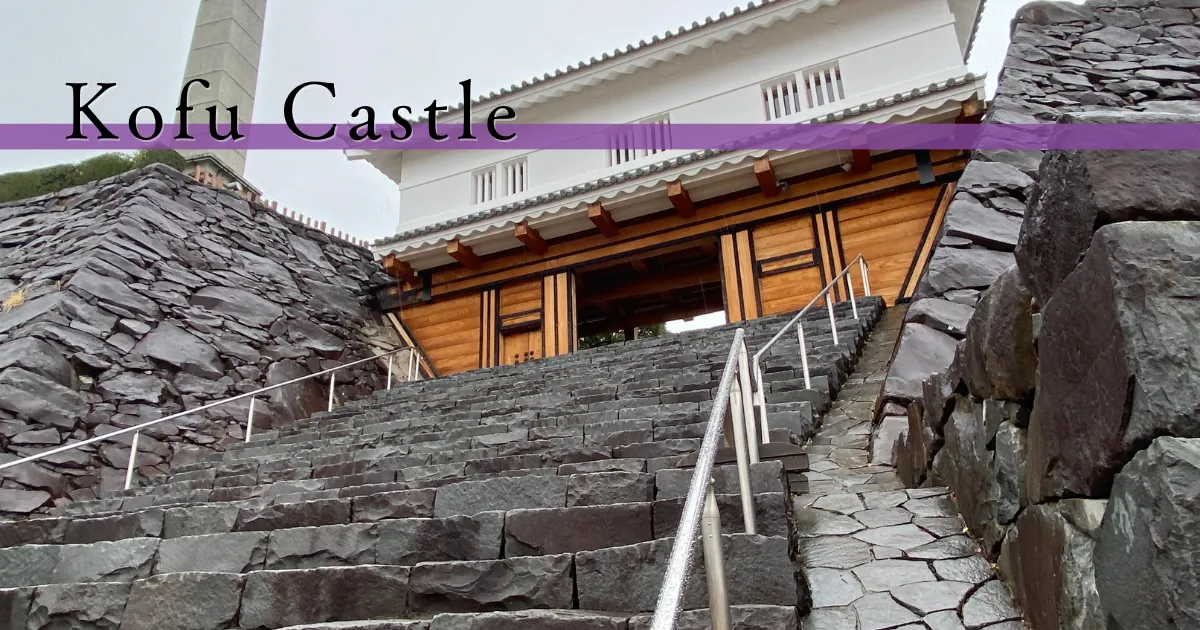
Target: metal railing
{"type": "Point", "coordinates": [413, 367]}
{"type": "Point", "coordinates": [760, 396]}
{"type": "Point", "coordinates": [700, 508]}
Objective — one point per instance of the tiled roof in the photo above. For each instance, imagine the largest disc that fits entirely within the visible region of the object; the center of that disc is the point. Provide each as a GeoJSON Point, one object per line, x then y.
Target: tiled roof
{"type": "Point", "coordinates": [578, 189]}
{"type": "Point", "coordinates": [617, 53]}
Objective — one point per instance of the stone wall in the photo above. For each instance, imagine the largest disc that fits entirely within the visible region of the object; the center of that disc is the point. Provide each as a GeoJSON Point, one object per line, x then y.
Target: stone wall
{"type": "Point", "coordinates": [1048, 374]}
{"type": "Point", "coordinates": [147, 294]}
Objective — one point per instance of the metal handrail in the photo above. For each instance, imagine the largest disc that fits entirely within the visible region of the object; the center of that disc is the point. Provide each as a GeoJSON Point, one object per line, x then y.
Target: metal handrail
{"type": "Point", "coordinates": [413, 366]}
{"type": "Point", "coordinates": [702, 496]}
{"type": "Point", "coordinates": [760, 399]}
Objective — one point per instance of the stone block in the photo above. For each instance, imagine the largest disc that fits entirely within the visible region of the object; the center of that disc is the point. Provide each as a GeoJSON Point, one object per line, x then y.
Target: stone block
{"type": "Point", "coordinates": [14, 607]}
{"type": "Point", "coordinates": [198, 520]}
{"type": "Point", "coordinates": [1116, 358]}
{"type": "Point", "coordinates": [742, 618]}
{"type": "Point", "coordinates": [213, 553]}
{"type": "Point", "coordinates": [999, 358]}
{"type": "Point", "coordinates": [674, 483]}
{"type": "Point", "coordinates": [512, 584]}
{"type": "Point", "coordinates": [922, 352]}
{"type": "Point", "coordinates": [568, 530]}
{"type": "Point", "coordinates": [609, 488]}
{"type": "Point", "coordinates": [328, 546]}
{"type": "Point", "coordinates": [119, 561]}
{"type": "Point", "coordinates": [1145, 557]}
{"type": "Point", "coordinates": [952, 269]}
{"type": "Point", "coordinates": [770, 514]}
{"type": "Point", "coordinates": [29, 565]}
{"type": "Point", "coordinates": [500, 494]}
{"type": "Point", "coordinates": [627, 579]}
{"type": "Point", "coordinates": [259, 518]}
{"type": "Point", "coordinates": [1079, 191]}
{"type": "Point", "coordinates": [143, 524]}
{"type": "Point", "coordinates": [414, 540]}
{"type": "Point", "coordinates": [941, 315]}
{"type": "Point", "coordinates": [400, 504]}
{"type": "Point", "coordinates": [77, 607]}
{"type": "Point", "coordinates": [525, 619]}
{"type": "Point", "coordinates": [964, 464]}
{"type": "Point", "coordinates": [184, 601]}
{"type": "Point", "coordinates": [278, 599]}
{"type": "Point", "coordinates": [38, 531]}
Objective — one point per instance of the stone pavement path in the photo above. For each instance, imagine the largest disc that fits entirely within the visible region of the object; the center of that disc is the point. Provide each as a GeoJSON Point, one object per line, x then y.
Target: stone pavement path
{"type": "Point", "coordinates": [878, 556]}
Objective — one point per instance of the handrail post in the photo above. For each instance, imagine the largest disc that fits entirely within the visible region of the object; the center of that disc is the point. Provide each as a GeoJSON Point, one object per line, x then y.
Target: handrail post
{"type": "Point", "coordinates": [714, 561]}
{"type": "Point", "coordinates": [832, 320]}
{"type": "Point", "coordinates": [747, 400]}
{"type": "Point", "coordinates": [133, 448]}
{"type": "Point", "coordinates": [862, 267]}
{"type": "Point", "coordinates": [850, 288]}
{"type": "Point", "coordinates": [762, 402]}
{"type": "Point", "coordinates": [332, 382]}
{"type": "Point", "coordinates": [250, 421]}
{"type": "Point", "coordinates": [743, 460]}
{"type": "Point", "coordinates": [803, 355]}
{"type": "Point", "coordinates": [412, 364]}
{"type": "Point", "coordinates": [389, 382]}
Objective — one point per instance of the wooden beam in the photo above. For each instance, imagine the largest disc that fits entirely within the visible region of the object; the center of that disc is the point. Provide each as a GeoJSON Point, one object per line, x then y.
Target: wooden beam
{"type": "Point", "coordinates": [530, 238]}
{"type": "Point", "coordinates": [463, 254]}
{"type": "Point", "coordinates": [681, 199]}
{"type": "Point", "coordinates": [397, 268]}
{"type": "Point", "coordinates": [861, 161]}
{"type": "Point", "coordinates": [767, 181]}
{"type": "Point", "coordinates": [652, 285]}
{"type": "Point", "coordinates": [639, 265]}
{"type": "Point", "coordinates": [603, 220]}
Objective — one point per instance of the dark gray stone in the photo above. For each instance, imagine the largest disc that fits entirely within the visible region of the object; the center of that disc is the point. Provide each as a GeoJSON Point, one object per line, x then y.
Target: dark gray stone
{"type": "Point", "coordinates": [1116, 358]}
{"type": "Point", "coordinates": [1145, 566]}
{"type": "Point", "coordinates": [39, 399]}
{"type": "Point", "coordinates": [277, 599]}
{"type": "Point", "coordinates": [674, 483]}
{"type": "Point", "coordinates": [29, 565]}
{"type": "Point", "coordinates": [78, 607]}
{"type": "Point", "coordinates": [999, 359]}
{"type": "Point", "coordinates": [1080, 191]}
{"type": "Point", "coordinates": [414, 540]}
{"type": "Point", "coordinates": [922, 352]}
{"type": "Point", "coordinates": [500, 494]}
{"type": "Point", "coordinates": [39, 357]}
{"type": "Point", "coordinates": [143, 524]}
{"type": "Point", "coordinates": [118, 561]}
{"type": "Point", "coordinates": [198, 520]}
{"type": "Point", "coordinates": [523, 619]}
{"type": "Point", "coordinates": [941, 315]}
{"type": "Point", "coordinates": [950, 269]}
{"type": "Point", "coordinates": [969, 219]}
{"type": "Point", "coordinates": [399, 504]}
{"type": "Point", "coordinates": [240, 305]}
{"type": "Point", "coordinates": [1008, 489]}
{"type": "Point", "coordinates": [989, 605]}
{"type": "Point", "coordinates": [14, 607]}
{"type": "Point", "coordinates": [215, 553]}
{"type": "Point", "coordinates": [743, 618]}
{"type": "Point", "coordinates": [171, 345]}
{"type": "Point", "coordinates": [512, 584]}
{"type": "Point", "coordinates": [966, 469]}
{"type": "Point", "coordinates": [313, 547]}
{"type": "Point", "coordinates": [627, 579]}
{"type": "Point", "coordinates": [184, 601]}
{"type": "Point", "coordinates": [286, 515]}
{"type": "Point", "coordinates": [770, 514]}
{"type": "Point", "coordinates": [132, 387]}
{"type": "Point", "coordinates": [568, 530]}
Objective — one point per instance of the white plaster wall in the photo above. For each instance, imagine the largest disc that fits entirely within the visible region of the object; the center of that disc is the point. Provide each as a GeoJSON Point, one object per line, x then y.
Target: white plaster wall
{"type": "Point", "coordinates": [883, 46]}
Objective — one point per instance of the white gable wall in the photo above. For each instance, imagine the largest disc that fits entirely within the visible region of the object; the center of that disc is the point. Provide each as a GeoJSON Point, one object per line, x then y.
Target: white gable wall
{"type": "Point", "coordinates": [883, 47]}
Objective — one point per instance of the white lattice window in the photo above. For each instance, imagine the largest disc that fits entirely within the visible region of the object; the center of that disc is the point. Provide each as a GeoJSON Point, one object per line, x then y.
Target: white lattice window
{"type": "Point", "coordinates": [515, 175]}
{"type": "Point", "coordinates": [824, 85]}
{"type": "Point", "coordinates": [483, 185]}
{"type": "Point", "coordinates": [781, 97]}
{"type": "Point", "coordinates": [789, 95]}
{"type": "Point", "coordinates": [651, 138]}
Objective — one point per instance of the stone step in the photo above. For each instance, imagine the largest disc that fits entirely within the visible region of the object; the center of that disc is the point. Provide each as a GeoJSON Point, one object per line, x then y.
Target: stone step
{"type": "Point", "coordinates": [619, 579]}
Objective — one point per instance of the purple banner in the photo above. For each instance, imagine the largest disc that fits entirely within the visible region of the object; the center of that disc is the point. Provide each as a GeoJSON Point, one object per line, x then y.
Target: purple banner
{"type": "Point", "coordinates": [634, 137]}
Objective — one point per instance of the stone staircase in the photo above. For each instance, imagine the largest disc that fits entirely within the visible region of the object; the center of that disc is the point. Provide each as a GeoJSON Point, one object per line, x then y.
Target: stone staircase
{"type": "Point", "coordinates": [543, 495]}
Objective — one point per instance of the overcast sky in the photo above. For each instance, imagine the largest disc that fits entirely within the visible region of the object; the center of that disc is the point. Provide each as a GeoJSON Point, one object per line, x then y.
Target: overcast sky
{"type": "Point", "coordinates": [382, 53]}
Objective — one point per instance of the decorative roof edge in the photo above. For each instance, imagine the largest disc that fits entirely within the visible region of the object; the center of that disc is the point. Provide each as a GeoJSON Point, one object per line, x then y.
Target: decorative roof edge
{"type": "Point", "coordinates": [802, 7]}
{"type": "Point", "coordinates": [657, 167]}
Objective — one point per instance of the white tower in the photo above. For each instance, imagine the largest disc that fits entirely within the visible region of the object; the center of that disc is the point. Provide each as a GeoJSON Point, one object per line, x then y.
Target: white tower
{"type": "Point", "coordinates": [226, 47]}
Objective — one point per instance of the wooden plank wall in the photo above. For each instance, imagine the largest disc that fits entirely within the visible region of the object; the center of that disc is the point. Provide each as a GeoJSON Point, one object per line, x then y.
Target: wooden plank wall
{"type": "Point", "coordinates": [560, 333]}
{"type": "Point", "coordinates": [520, 324]}
{"type": "Point", "coordinates": [889, 231]}
{"type": "Point", "coordinates": [789, 264]}
{"type": "Point", "coordinates": [449, 331]}
{"type": "Point", "coordinates": [738, 277]}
